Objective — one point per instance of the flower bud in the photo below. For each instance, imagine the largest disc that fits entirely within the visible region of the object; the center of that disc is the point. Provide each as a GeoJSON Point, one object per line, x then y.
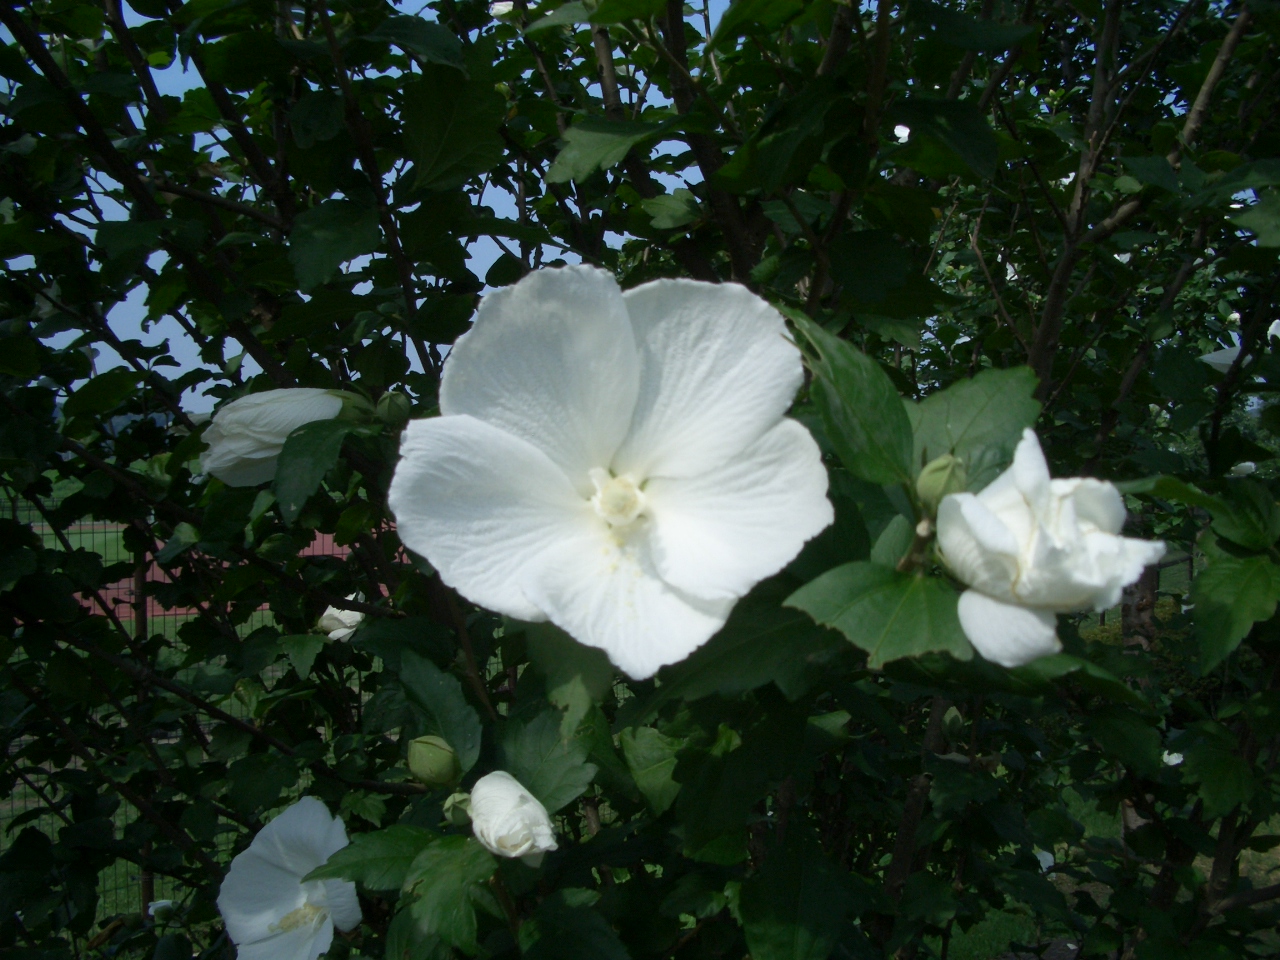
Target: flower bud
{"type": "Point", "coordinates": [940, 477]}
{"type": "Point", "coordinates": [394, 408]}
{"type": "Point", "coordinates": [508, 820]}
{"type": "Point", "coordinates": [433, 762]}
{"type": "Point", "coordinates": [457, 809]}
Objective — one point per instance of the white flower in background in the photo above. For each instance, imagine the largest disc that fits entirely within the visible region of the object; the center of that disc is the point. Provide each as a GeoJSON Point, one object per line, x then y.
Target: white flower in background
{"type": "Point", "coordinates": [508, 820]}
{"type": "Point", "coordinates": [1243, 469]}
{"type": "Point", "coordinates": [247, 435]}
{"type": "Point", "coordinates": [902, 133]}
{"type": "Point", "coordinates": [46, 302]}
{"type": "Point", "coordinates": [161, 910]}
{"type": "Point", "coordinates": [269, 912]}
{"type": "Point", "coordinates": [1029, 547]}
{"type": "Point", "coordinates": [338, 623]}
{"type": "Point", "coordinates": [1221, 360]}
{"type": "Point", "coordinates": [1171, 759]}
{"type": "Point", "coordinates": [501, 9]}
{"type": "Point", "coordinates": [616, 463]}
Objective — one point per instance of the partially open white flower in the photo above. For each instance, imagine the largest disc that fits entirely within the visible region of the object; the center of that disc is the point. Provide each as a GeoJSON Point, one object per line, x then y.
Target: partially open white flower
{"type": "Point", "coordinates": [1243, 469]}
{"type": "Point", "coordinates": [1171, 759]}
{"type": "Point", "coordinates": [1030, 547]}
{"type": "Point", "coordinates": [508, 820]}
{"type": "Point", "coordinates": [616, 463]}
{"type": "Point", "coordinates": [501, 8]}
{"type": "Point", "coordinates": [269, 912]}
{"type": "Point", "coordinates": [338, 623]}
{"type": "Point", "coordinates": [247, 435]}
{"type": "Point", "coordinates": [902, 133]}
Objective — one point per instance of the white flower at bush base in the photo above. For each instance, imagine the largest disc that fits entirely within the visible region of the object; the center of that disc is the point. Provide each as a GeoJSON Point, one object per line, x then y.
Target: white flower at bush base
{"type": "Point", "coordinates": [1029, 547]}
{"type": "Point", "coordinates": [269, 912]}
{"type": "Point", "coordinates": [338, 623]}
{"type": "Point", "coordinates": [508, 820]}
{"type": "Point", "coordinates": [247, 435]}
{"type": "Point", "coordinates": [616, 463]}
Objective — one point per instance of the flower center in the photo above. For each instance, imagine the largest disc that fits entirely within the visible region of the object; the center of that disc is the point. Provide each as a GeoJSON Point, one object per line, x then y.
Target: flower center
{"type": "Point", "coordinates": [305, 915]}
{"type": "Point", "coordinates": [619, 500]}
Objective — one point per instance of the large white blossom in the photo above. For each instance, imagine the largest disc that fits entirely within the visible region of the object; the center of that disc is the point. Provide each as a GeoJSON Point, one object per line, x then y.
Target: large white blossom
{"type": "Point", "coordinates": [508, 820]}
{"type": "Point", "coordinates": [617, 463]}
{"type": "Point", "coordinates": [247, 435]}
{"type": "Point", "coordinates": [269, 912]}
{"type": "Point", "coordinates": [1030, 547]}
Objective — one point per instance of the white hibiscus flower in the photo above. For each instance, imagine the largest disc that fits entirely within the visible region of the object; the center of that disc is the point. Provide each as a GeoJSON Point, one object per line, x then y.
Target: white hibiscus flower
{"type": "Point", "coordinates": [270, 913]}
{"type": "Point", "coordinates": [247, 435]}
{"type": "Point", "coordinates": [617, 463]}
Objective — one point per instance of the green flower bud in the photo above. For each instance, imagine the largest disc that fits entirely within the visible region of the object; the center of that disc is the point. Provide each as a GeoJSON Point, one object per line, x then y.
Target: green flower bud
{"type": "Point", "coordinates": [433, 762]}
{"type": "Point", "coordinates": [940, 477]}
{"type": "Point", "coordinates": [394, 408]}
{"type": "Point", "coordinates": [354, 406]}
{"type": "Point", "coordinates": [457, 809]}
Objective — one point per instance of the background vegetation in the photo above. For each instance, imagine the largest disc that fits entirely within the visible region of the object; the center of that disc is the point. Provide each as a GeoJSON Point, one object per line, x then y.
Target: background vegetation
{"type": "Point", "coordinates": [1052, 208]}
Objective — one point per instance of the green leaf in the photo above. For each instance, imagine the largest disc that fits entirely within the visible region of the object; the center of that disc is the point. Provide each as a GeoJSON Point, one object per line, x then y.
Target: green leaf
{"type": "Point", "coordinates": [1225, 778]}
{"type": "Point", "coordinates": [301, 649]}
{"type": "Point", "coordinates": [118, 238]}
{"type": "Point", "coordinates": [550, 766]}
{"type": "Point", "coordinates": [439, 695]}
{"type": "Point", "coordinates": [795, 906]}
{"type": "Point", "coordinates": [327, 236]}
{"type": "Point", "coordinates": [1248, 515]}
{"type": "Point", "coordinates": [407, 941]}
{"type": "Point", "coordinates": [1171, 488]}
{"type": "Point", "coordinates": [450, 127]}
{"type": "Point", "coordinates": [596, 144]}
{"type": "Point", "coordinates": [1230, 595]}
{"type": "Point", "coordinates": [258, 780]}
{"type": "Point", "coordinates": [573, 12]}
{"type": "Point", "coordinates": [1129, 738]}
{"type": "Point", "coordinates": [431, 41]}
{"type": "Point", "coordinates": [308, 454]}
{"type": "Point", "coordinates": [103, 393]}
{"type": "Point", "coordinates": [1153, 171]}
{"type": "Point", "coordinates": [762, 643]}
{"type": "Point", "coordinates": [445, 879]}
{"type": "Point", "coordinates": [1263, 218]}
{"type": "Point", "coordinates": [378, 860]}
{"type": "Point", "coordinates": [19, 357]}
{"type": "Point", "coordinates": [570, 929]}
{"type": "Point", "coordinates": [870, 264]}
{"type": "Point", "coordinates": [862, 411]}
{"type": "Point", "coordinates": [886, 613]}
{"type": "Point", "coordinates": [957, 125]}
{"type": "Point", "coordinates": [751, 16]}
{"type": "Point", "coordinates": [619, 11]}
{"type": "Point", "coordinates": [979, 419]}
{"type": "Point", "coordinates": [577, 675]}
{"type": "Point", "coordinates": [672, 210]}
{"type": "Point", "coordinates": [651, 758]}
{"type": "Point", "coordinates": [971, 33]}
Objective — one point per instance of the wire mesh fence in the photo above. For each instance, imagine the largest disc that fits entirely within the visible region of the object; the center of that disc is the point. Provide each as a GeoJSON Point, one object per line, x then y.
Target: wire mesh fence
{"type": "Point", "coordinates": [123, 887]}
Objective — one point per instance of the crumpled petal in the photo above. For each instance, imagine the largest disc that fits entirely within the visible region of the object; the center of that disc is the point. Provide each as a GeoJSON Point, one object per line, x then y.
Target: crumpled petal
{"type": "Point", "coordinates": [1006, 633]}
{"type": "Point", "coordinates": [718, 534]}
{"type": "Point", "coordinates": [716, 372]}
{"type": "Point", "coordinates": [604, 591]}
{"type": "Point", "coordinates": [1093, 502]}
{"type": "Point", "coordinates": [552, 360]}
{"type": "Point", "coordinates": [484, 507]}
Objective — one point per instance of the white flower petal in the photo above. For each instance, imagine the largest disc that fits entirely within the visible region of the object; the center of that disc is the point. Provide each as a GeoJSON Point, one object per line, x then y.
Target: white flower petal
{"type": "Point", "coordinates": [977, 544]}
{"type": "Point", "coordinates": [1093, 501]}
{"type": "Point", "coordinates": [343, 904]}
{"type": "Point", "coordinates": [247, 435]}
{"type": "Point", "coordinates": [718, 534]}
{"type": "Point", "coordinates": [483, 506]}
{"type": "Point", "coordinates": [716, 372]}
{"type": "Point", "coordinates": [1221, 360]}
{"type": "Point", "coordinates": [552, 360]}
{"type": "Point", "coordinates": [604, 591]}
{"type": "Point", "coordinates": [301, 838]}
{"type": "Point", "coordinates": [1006, 633]}
{"type": "Point", "coordinates": [256, 895]}
{"type": "Point", "coordinates": [301, 943]}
